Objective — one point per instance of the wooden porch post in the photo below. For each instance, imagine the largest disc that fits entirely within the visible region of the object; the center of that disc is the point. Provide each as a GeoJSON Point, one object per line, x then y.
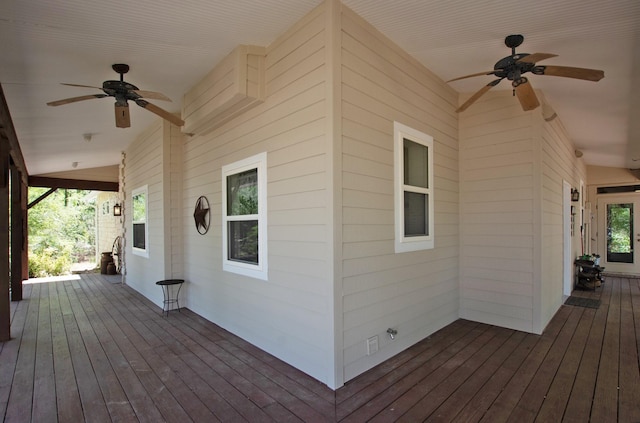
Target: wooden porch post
{"type": "Point", "coordinates": [17, 235]}
{"type": "Point", "coordinates": [24, 198]}
{"type": "Point", "coordinates": [5, 312]}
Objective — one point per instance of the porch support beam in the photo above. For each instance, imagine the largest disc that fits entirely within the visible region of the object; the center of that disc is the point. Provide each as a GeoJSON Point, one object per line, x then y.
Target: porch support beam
{"type": "Point", "coordinates": [8, 135]}
{"type": "Point", "coordinates": [25, 230]}
{"type": "Point", "coordinates": [17, 234]}
{"type": "Point", "coordinates": [42, 197]}
{"type": "Point", "coordinates": [5, 312]}
{"type": "Point", "coordinates": [43, 181]}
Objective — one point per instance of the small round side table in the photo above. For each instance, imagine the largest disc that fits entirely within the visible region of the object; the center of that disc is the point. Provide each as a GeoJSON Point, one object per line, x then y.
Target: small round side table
{"type": "Point", "coordinates": [171, 295]}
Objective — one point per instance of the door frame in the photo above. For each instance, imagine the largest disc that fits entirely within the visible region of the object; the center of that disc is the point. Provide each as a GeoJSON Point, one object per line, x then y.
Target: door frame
{"type": "Point", "coordinates": [603, 200]}
{"type": "Point", "coordinates": [567, 285]}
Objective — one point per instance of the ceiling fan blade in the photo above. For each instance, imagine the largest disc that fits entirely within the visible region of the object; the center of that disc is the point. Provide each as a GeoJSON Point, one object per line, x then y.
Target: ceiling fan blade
{"type": "Point", "coordinates": [81, 86]}
{"type": "Point", "coordinates": [123, 120]}
{"type": "Point", "coordinates": [536, 57]}
{"type": "Point", "coordinates": [571, 72]}
{"type": "Point", "coordinates": [160, 112]}
{"type": "Point", "coordinates": [478, 94]}
{"type": "Point", "coordinates": [152, 94]}
{"type": "Point", "coordinates": [472, 75]}
{"type": "Point", "coordinates": [526, 95]}
{"type": "Point", "coordinates": [74, 99]}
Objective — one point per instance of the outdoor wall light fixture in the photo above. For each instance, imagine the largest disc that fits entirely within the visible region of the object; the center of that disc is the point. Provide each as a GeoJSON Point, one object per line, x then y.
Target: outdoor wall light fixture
{"type": "Point", "coordinates": [575, 194]}
{"type": "Point", "coordinates": [117, 210]}
{"type": "Point", "coordinates": [392, 333]}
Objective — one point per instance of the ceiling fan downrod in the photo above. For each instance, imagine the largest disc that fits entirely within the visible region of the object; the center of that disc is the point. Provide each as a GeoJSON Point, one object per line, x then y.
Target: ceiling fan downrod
{"type": "Point", "coordinates": [513, 41]}
{"type": "Point", "coordinates": [120, 68]}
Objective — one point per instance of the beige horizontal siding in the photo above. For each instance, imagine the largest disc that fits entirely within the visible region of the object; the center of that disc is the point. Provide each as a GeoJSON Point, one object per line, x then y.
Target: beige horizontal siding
{"type": "Point", "coordinates": [413, 292]}
{"type": "Point", "coordinates": [497, 213]}
{"type": "Point", "coordinates": [558, 164]}
{"type": "Point", "coordinates": [144, 166]}
{"type": "Point", "coordinates": [288, 314]}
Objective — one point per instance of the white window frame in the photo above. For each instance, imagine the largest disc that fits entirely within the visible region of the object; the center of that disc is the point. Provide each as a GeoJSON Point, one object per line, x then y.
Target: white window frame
{"type": "Point", "coordinates": [402, 242]}
{"type": "Point", "coordinates": [259, 270]}
{"type": "Point", "coordinates": [144, 252]}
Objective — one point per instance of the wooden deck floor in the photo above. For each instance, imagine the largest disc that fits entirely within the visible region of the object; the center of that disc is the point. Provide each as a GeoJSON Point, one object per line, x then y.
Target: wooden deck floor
{"type": "Point", "coordinates": [88, 349]}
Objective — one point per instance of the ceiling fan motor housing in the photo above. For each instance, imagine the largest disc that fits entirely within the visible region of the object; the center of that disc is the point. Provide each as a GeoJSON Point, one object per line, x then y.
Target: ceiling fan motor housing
{"type": "Point", "coordinates": [122, 91]}
{"type": "Point", "coordinates": [509, 67]}
{"type": "Point", "coordinates": [118, 87]}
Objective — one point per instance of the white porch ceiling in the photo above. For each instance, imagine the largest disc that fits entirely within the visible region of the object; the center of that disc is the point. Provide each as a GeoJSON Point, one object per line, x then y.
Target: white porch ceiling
{"type": "Point", "coordinates": [171, 45]}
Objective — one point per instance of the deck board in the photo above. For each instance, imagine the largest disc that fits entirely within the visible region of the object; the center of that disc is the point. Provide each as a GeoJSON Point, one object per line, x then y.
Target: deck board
{"type": "Point", "coordinates": [481, 400]}
{"type": "Point", "coordinates": [20, 402]}
{"type": "Point", "coordinates": [392, 379]}
{"type": "Point", "coordinates": [113, 393]}
{"type": "Point", "coordinates": [69, 406]}
{"type": "Point", "coordinates": [629, 393]}
{"type": "Point", "coordinates": [578, 408]}
{"type": "Point", "coordinates": [44, 386]}
{"type": "Point", "coordinates": [605, 400]}
{"type": "Point", "coordinates": [453, 405]}
{"type": "Point", "coordinates": [186, 366]}
{"type": "Point", "coordinates": [141, 366]}
{"type": "Point", "coordinates": [9, 350]}
{"type": "Point", "coordinates": [88, 349]}
{"type": "Point", "coordinates": [513, 391]}
{"type": "Point", "coordinates": [538, 389]}
{"type": "Point", "coordinates": [453, 374]}
{"type": "Point", "coordinates": [557, 397]}
{"type": "Point", "coordinates": [178, 402]}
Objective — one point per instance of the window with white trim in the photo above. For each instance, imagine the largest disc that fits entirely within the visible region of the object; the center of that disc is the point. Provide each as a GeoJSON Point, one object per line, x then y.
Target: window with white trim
{"type": "Point", "coordinates": [244, 217]}
{"type": "Point", "coordinates": [413, 189]}
{"type": "Point", "coordinates": [139, 219]}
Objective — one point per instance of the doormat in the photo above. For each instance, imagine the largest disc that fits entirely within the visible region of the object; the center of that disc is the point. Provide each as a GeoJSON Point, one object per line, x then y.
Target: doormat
{"type": "Point", "coordinates": [113, 278]}
{"type": "Point", "coordinates": [583, 302]}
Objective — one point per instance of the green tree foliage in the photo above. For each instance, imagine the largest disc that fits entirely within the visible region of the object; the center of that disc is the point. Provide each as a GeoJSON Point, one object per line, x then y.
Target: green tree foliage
{"type": "Point", "coordinates": [61, 231]}
{"type": "Point", "coordinates": [242, 200]}
{"type": "Point", "coordinates": [619, 227]}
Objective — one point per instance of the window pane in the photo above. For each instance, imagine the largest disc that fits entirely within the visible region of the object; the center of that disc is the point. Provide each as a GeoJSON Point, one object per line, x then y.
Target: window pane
{"type": "Point", "coordinates": [139, 208]}
{"type": "Point", "coordinates": [416, 222]}
{"type": "Point", "coordinates": [620, 233]}
{"type": "Point", "coordinates": [139, 235]}
{"type": "Point", "coordinates": [243, 241]}
{"type": "Point", "coordinates": [416, 164]}
{"type": "Point", "coordinates": [242, 193]}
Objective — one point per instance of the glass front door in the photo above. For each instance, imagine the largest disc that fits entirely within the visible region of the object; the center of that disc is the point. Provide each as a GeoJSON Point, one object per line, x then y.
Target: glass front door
{"type": "Point", "coordinates": [619, 232]}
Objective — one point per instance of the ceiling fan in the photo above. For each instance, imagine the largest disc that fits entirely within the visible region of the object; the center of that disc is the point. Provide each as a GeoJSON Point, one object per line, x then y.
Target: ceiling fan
{"type": "Point", "coordinates": [514, 66]}
{"type": "Point", "coordinates": [123, 92]}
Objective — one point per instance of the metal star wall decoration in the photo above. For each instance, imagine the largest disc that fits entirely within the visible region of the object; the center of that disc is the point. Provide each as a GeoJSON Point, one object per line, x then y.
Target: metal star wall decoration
{"type": "Point", "coordinates": [201, 215]}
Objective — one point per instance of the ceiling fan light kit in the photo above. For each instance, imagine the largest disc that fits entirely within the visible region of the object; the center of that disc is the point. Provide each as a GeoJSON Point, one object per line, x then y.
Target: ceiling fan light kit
{"type": "Point", "coordinates": [123, 92]}
{"type": "Point", "coordinates": [513, 68]}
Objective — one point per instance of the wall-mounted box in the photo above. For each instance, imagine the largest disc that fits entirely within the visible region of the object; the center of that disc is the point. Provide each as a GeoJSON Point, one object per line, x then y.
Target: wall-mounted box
{"type": "Point", "coordinates": [234, 86]}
